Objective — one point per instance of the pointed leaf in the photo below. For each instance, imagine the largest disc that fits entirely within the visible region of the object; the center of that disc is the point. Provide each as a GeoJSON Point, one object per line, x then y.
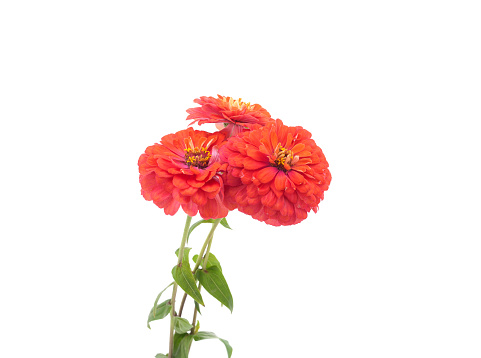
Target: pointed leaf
{"type": "Point", "coordinates": [211, 261]}
{"type": "Point", "coordinates": [185, 279]}
{"type": "Point", "coordinates": [197, 223]}
{"type": "Point", "coordinates": [161, 292]}
{"type": "Point", "coordinates": [181, 325]}
{"type": "Point", "coordinates": [160, 355]}
{"type": "Point", "coordinates": [186, 253]}
{"type": "Point", "coordinates": [215, 283]}
{"type": "Point", "coordinates": [182, 344]}
{"type": "Point", "coordinates": [224, 223]}
{"type": "Point", "coordinates": [157, 300]}
{"type": "Point", "coordinates": [177, 339]}
{"type": "Point", "coordinates": [199, 336]}
{"type": "Point", "coordinates": [159, 312]}
{"type": "Point", "coordinates": [197, 307]}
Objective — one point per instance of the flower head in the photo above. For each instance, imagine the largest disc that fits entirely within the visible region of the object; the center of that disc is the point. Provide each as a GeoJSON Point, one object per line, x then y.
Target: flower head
{"type": "Point", "coordinates": [276, 173]}
{"type": "Point", "coordinates": [184, 170]}
{"type": "Point", "coordinates": [234, 114]}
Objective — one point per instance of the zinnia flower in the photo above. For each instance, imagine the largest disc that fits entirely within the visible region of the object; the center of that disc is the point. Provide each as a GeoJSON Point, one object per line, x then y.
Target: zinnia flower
{"type": "Point", "coordinates": [235, 115]}
{"type": "Point", "coordinates": [276, 173]}
{"type": "Point", "coordinates": [184, 170]}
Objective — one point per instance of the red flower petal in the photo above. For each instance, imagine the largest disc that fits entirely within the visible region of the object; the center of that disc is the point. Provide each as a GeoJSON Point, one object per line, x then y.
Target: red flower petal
{"type": "Point", "coordinates": [159, 194]}
{"type": "Point", "coordinates": [298, 148]}
{"type": "Point", "coordinates": [178, 196]}
{"type": "Point", "coordinates": [251, 164]}
{"type": "Point", "coordinates": [172, 207]}
{"type": "Point", "coordinates": [209, 209]}
{"type": "Point", "coordinates": [280, 181]}
{"type": "Point", "coordinates": [287, 209]}
{"type": "Point", "coordinates": [257, 155]}
{"type": "Point", "coordinates": [200, 198]}
{"type": "Point", "coordinates": [227, 110]}
{"type": "Point", "coordinates": [282, 172]}
{"type": "Point", "coordinates": [292, 197]}
{"type": "Point", "coordinates": [296, 178]}
{"type": "Point", "coordinates": [251, 190]}
{"type": "Point", "coordinates": [168, 180]}
{"type": "Point", "coordinates": [263, 189]}
{"type": "Point", "coordinates": [265, 175]}
{"type": "Point", "coordinates": [190, 208]}
{"type": "Point", "coordinates": [180, 181]}
{"type": "Point", "coordinates": [195, 183]}
{"type": "Point", "coordinates": [211, 186]}
{"type": "Point", "coordinates": [191, 190]}
{"type": "Point", "coordinates": [269, 199]}
{"type": "Point", "coordinates": [241, 196]}
{"type": "Point", "coordinates": [203, 174]}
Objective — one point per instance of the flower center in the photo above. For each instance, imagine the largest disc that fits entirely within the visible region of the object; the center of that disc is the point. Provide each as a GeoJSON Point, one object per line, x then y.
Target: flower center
{"type": "Point", "coordinates": [284, 158]}
{"type": "Point", "coordinates": [237, 103]}
{"type": "Point", "coordinates": [197, 157]}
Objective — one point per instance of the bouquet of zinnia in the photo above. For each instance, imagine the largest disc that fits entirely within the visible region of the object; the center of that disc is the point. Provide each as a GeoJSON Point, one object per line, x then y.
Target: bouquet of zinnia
{"type": "Point", "coordinates": [254, 164]}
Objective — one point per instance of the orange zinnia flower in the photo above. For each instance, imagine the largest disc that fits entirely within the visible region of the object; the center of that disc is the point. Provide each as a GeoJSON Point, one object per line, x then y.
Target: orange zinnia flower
{"type": "Point", "coordinates": [235, 115]}
{"type": "Point", "coordinates": [184, 169]}
{"type": "Point", "coordinates": [276, 173]}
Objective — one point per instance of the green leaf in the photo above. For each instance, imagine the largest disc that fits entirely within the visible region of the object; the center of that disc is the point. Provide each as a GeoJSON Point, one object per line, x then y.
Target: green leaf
{"type": "Point", "coordinates": [184, 347]}
{"type": "Point", "coordinates": [197, 223]}
{"type": "Point", "coordinates": [185, 279]}
{"type": "Point", "coordinates": [215, 283]}
{"type": "Point", "coordinates": [211, 261]}
{"type": "Point", "coordinates": [177, 339]}
{"type": "Point", "coordinates": [182, 344]}
{"type": "Point", "coordinates": [186, 253]}
{"type": "Point", "coordinates": [181, 325]}
{"type": "Point", "coordinates": [224, 223]}
{"type": "Point", "coordinates": [160, 355]}
{"type": "Point", "coordinates": [159, 311]}
{"type": "Point", "coordinates": [199, 336]}
{"type": "Point", "coordinates": [161, 292]}
{"type": "Point", "coordinates": [157, 300]}
{"type": "Point", "coordinates": [197, 307]}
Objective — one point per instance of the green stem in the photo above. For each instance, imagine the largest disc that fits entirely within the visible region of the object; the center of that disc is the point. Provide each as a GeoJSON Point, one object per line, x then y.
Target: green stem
{"type": "Point", "coordinates": [195, 316]}
{"type": "Point", "coordinates": [206, 243]}
{"type": "Point", "coordinates": [182, 303]}
{"type": "Point", "coordinates": [206, 256]}
{"type": "Point", "coordinates": [174, 291]}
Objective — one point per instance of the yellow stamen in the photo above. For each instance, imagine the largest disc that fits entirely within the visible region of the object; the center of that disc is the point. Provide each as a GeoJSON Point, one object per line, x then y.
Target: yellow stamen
{"type": "Point", "coordinates": [198, 157]}
{"type": "Point", "coordinates": [285, 159]}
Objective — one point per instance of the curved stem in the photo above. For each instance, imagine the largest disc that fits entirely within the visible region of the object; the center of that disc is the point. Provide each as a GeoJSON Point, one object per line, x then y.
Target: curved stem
{"type": "Point", "coordinates": [206, 243]}
{"type": "Point", "coordinates": [174, 291]}
{"type": "Point", "coordinates": [207, 252]}
{"type": "Point", "coordinates": [182, 303]}
{"type": "Point", "coordinates": [206, 257]}
{"type": "Point", "coordinates": [195, 316]}
{"type": "Point", "coordinates": [204, 264]}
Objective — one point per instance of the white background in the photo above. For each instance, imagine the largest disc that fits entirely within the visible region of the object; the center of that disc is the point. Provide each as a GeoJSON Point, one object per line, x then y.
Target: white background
{"type": "Point", "coordinates": [388, 267]}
